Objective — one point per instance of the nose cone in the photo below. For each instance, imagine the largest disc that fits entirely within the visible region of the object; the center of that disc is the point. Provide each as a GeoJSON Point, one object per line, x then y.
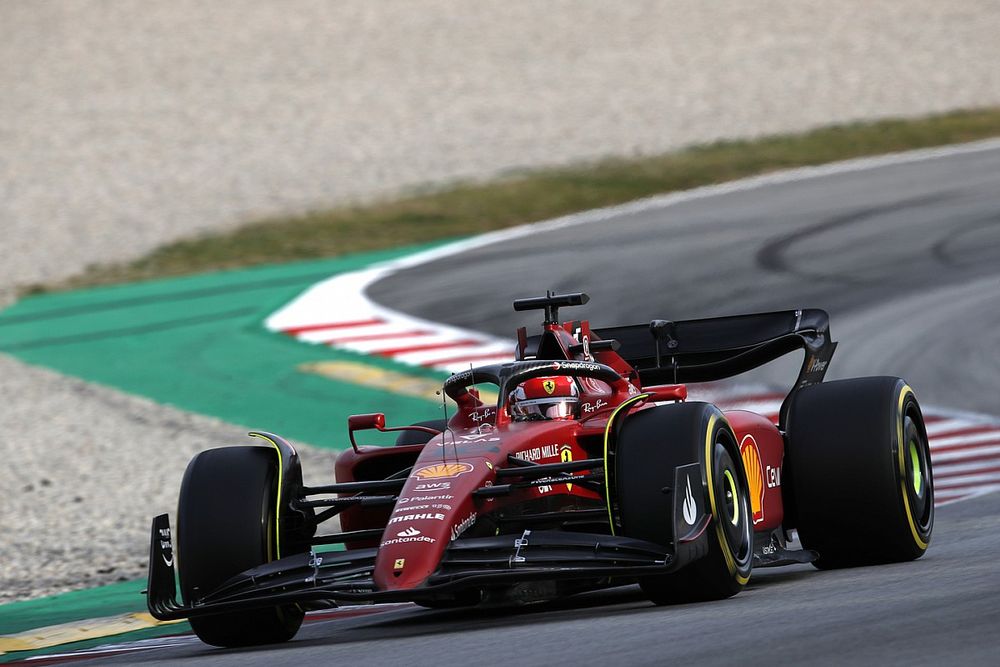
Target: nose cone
{"type": "Point", "coordinates": [435, 503]}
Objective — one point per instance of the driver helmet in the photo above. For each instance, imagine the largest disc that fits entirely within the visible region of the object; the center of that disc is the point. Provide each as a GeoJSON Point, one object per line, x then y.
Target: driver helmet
{"type": "Point", "coordinates": [545, 398]}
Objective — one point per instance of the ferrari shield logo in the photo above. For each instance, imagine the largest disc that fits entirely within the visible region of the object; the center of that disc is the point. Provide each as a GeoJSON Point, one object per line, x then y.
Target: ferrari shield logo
{"type": "Point", "coordinates": [566, 455]}
{"type": "Point", "coordinates": [549, 386]}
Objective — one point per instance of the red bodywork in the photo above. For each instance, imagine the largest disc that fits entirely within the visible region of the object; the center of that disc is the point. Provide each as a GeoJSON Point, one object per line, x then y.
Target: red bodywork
{"type": "Point", "coordinates": [436, 505]}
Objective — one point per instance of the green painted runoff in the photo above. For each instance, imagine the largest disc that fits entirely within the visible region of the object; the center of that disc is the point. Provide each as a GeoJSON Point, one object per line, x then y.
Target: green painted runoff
{"type": "Point", "coordinates": [100, 602]}
{"type": "Point", "coordinates": [198, 343]}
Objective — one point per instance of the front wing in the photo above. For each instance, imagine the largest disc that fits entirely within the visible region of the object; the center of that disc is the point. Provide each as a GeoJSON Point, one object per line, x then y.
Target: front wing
{"type": "Point", "coordinates": [467, 563]}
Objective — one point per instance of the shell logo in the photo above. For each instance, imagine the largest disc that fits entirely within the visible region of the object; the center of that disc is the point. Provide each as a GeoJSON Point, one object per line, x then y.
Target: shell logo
{"type": "Point", "coordinates": [442, 470]}
{"type": "Point", "coordinates": [755, 476]}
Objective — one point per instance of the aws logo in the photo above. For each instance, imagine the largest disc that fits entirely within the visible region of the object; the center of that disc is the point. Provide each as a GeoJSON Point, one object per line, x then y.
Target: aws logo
{"type": "Point", "coordinates": [755, 476]}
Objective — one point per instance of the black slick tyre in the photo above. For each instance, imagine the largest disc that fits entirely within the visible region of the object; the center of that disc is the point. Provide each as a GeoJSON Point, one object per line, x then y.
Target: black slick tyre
{"type": "Point", "coordinates": [650, 446]}
{"type": "Point", "coordinates": [226, 523]}
{"type": "Point", "coordinates": [859, 468]}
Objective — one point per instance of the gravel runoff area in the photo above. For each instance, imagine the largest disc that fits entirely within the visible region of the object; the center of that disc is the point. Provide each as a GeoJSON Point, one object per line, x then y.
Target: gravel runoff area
{"type": "Point", "coordinates": [125, 125]}
{"type": "Point", "coordinates": [87, 469]}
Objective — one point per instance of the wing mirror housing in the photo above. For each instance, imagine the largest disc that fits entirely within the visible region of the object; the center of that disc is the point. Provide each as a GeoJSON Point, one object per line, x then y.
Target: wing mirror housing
{"type": "Point", "coordinates": [376, 421]}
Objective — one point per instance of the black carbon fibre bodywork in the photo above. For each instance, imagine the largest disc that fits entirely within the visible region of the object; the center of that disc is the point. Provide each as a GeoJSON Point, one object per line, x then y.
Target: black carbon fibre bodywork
{"type": "Point", "coordinates": [346, 576]}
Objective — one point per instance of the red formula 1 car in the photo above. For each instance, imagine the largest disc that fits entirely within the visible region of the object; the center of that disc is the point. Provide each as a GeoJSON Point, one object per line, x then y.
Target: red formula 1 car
{"type": "Point", "coordinates": [590, 469]}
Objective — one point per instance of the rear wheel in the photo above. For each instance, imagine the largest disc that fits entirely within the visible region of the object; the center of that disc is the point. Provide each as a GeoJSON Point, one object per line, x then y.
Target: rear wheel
{"type": "Point", "coordinates": [860, 472]}
{"type": "Point", "coordinates": [227, 523]}
{"type": "Point", "coordinates": [651, 445]}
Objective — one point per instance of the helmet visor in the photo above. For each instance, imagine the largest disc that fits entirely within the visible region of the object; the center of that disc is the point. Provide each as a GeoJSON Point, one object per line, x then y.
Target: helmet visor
{"type": "Point", "coordinates": [546, 408]}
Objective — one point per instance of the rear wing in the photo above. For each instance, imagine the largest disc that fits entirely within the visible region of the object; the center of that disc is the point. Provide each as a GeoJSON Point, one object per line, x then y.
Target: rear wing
{"type": "Point", "coordinates": [710, 349]}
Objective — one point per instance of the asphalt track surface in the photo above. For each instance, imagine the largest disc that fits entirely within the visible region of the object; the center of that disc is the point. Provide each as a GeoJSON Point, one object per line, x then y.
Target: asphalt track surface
{"type": "Point", "coordinates": [905, 257]}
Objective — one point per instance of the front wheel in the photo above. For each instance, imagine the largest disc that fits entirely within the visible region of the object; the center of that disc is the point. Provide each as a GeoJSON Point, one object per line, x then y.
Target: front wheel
{"type": "Point", "coordinates": [226, 524]}
{"type": "Point", "coordinates": [651, 445]}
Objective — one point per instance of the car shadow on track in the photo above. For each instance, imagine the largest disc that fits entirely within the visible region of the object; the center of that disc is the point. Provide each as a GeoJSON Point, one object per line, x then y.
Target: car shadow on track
{"type": "Point", "coordinates": [413, 622]}
{"type": "Point", "coordinates": [619, 603]}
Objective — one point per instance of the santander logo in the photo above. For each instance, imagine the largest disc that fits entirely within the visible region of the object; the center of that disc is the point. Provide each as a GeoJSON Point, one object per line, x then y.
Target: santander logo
{"type": "Point", "coordinates": [407, 535]}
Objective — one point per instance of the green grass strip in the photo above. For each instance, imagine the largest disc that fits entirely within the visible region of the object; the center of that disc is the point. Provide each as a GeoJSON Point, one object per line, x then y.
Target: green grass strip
{"type": "Point", "coordinates": [466, 209]}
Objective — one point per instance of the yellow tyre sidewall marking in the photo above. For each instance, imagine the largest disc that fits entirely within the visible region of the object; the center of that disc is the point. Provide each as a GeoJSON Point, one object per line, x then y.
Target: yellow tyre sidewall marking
{"type": "Point", "coordinates": [277, 501]}
{"type": "Point", "coordinates": [277, 516]}
{"type": "Point", "coordinates": [607, 437]}
{"type": "Point", "coordinates": [719, 532]}
{"type": "Point", "coordinates": [901, 447]}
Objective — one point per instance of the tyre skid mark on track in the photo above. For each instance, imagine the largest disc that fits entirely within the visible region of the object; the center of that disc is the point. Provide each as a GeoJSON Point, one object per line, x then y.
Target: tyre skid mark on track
{"type": "Point", "coordinates": [367, 328]}
{"type": "Point", "coordinates": [310, 311]}
{"type": "Point", "coordinates": [952, 435]}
